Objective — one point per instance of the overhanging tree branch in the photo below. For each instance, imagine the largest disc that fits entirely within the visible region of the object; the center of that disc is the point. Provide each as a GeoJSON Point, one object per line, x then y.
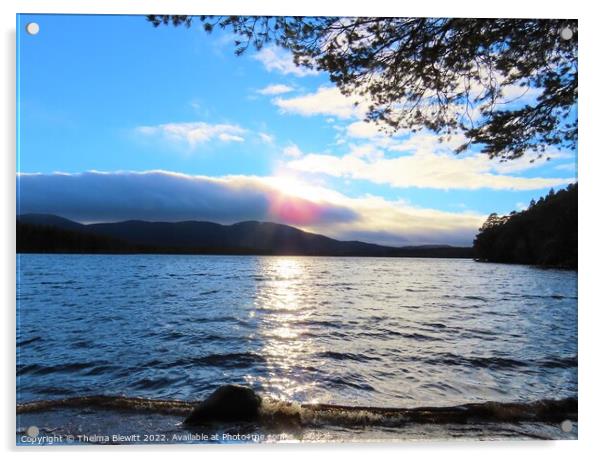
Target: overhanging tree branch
{"type": "Point", "coordinates": [448, 75]}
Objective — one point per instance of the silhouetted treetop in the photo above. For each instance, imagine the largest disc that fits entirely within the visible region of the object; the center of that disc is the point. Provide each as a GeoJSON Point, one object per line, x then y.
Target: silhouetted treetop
{"type": "Point", "coordinates": [449, 75]}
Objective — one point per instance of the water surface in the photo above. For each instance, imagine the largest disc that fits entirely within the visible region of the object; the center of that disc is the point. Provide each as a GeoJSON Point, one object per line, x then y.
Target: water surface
{"type": "Point", "coordinates": [349, 331]}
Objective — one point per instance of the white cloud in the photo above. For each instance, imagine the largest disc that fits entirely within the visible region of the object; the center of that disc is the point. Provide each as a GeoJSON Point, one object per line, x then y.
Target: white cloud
{"type": "Point", "coordinates": [194, 133]}
{"type": "Point", "coordinates": [267, 138]}
{"type": "Point", "coordinates": [329, 101]}
{"type": "Point", "coordinates": [424, 169]}
{"type": "Point", "coordinates": [281, 60]}
{"type": "Point", "coordinates": [572, 167]}
{"type": "Point", "coordinates": [365, 130]}
{"type": "Point", "coordinates": [326, 101]}
{"type": "Point", "coordinates": [292, 151]}
{"type": "Point", "coordinates": [369, 152]}
{"type": "Point", "coordinates": [513, 93]}
{"type": "Point", "coordinates": [397, 223]}
{"type": "Point", "coordinates": [427, 160]}
{"type": "Point", "coordinates": [424, 141]}
{"type": "Point", "coordinates": [529, 160]}
{"type": "Point", "coordinates": [226, 137]}
{"type": "Point", "coordinates": [272, 90]}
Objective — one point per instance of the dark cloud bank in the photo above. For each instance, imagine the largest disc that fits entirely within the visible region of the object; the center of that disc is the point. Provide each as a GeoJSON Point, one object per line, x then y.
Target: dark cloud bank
{"type": "Point", "coordinates": [160, 196]}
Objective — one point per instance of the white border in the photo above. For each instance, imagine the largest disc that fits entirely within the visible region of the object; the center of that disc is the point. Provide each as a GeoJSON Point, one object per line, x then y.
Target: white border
{"type": "Point", "coordinates": [437, 8]}
{"type": "Point", "coordinates": [589, 238]}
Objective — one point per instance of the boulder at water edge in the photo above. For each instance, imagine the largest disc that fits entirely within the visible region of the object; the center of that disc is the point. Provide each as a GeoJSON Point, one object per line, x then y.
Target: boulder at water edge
{"type": "Point", "coordinates": [229, 403]}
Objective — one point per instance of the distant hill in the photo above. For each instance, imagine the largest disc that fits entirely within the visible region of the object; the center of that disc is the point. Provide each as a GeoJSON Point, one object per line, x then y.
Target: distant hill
{"type": "Point", "coordinates": [50, 233]}
{"type": "Point", "coordinates": [51, 220]}
{"type": "Point", "coordinates": [69, 239]}
{"type": "Point", "coordinates": [544, 234]}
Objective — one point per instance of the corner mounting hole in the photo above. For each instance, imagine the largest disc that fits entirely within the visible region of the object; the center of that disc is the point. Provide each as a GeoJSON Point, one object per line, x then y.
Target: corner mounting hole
{"type": "Point", "coordinates": [566, 426]}
{"type": "Point", "coordinates": [566, 33]}
{"type": "Point", "coordinates": [32, 28]}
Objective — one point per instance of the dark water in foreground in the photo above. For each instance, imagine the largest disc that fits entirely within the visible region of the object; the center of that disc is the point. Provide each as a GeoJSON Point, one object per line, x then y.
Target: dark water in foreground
{"type": "Point", "coordinates": [348, 331]}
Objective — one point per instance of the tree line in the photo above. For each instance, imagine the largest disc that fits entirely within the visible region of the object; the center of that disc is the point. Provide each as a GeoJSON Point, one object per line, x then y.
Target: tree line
{"type": "Point", "coordinates": [544, 234]}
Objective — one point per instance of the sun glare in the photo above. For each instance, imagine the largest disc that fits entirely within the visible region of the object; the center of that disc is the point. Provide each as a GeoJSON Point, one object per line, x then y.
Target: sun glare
{"type": "Point", "coordinates": [278, 304]}
{"type": "Point", "coordinates": [295, 202]}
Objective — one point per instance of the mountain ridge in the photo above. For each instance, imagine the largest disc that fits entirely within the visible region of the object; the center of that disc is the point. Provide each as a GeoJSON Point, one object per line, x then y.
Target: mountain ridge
{"type": "Point", "coordinates": [202, 237]}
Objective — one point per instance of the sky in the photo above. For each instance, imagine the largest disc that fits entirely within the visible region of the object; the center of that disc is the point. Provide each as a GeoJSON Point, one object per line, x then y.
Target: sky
{"type": "Point", "coordinates": [119, 120]}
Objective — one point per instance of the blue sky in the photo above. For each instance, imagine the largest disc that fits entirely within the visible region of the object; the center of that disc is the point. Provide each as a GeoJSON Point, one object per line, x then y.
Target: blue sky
{"type": "Point", "coordinates": [119, 120]}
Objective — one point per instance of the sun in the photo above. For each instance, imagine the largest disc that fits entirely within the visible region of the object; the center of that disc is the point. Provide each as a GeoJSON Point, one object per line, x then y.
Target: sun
{"type": "Point", "coordinates": [293, 186]}
{"type": "Point", "coordinates": [295, 202]}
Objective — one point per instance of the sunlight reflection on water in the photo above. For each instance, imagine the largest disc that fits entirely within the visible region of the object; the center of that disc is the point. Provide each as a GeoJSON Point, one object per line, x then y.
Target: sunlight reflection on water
{"type": "Point", "coordinates": [362, 331]}
{"type": "Point", "coordinates": [285, 345]}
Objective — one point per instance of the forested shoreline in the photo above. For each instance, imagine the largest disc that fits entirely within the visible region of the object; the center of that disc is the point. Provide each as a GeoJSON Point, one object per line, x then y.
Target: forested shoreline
{"type": "Point", "coordinates": [544, 234]}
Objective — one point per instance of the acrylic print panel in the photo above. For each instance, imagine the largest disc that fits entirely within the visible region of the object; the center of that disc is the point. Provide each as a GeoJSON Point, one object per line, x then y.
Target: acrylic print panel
{"type": "Point", "coordinates": [236, 229]}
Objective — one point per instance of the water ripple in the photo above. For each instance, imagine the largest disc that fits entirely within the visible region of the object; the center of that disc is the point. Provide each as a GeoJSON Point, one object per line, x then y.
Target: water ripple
{"type": "Point", "coordinates": [367, 331]}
